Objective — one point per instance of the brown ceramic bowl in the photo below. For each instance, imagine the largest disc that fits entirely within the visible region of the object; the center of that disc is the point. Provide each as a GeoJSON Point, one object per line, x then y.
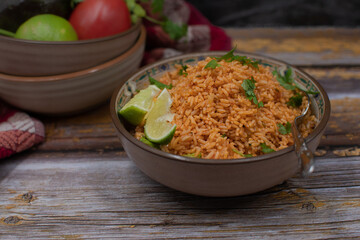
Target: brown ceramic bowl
{"type": "Point", "coordinates": [72, 92]}
{"type": "Point", "coordinates": [42, 58]}
{"type": "Point", "coordinates": [215, 177]}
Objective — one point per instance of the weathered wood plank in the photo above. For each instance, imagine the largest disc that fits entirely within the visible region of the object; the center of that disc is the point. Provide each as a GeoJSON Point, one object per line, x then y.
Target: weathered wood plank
{"type": "Point", "coordinates": [108, 197]}
{"type": "Point", "coordinates": [301, 46]}
{"type": "Point", "coordinates": [339, 83]}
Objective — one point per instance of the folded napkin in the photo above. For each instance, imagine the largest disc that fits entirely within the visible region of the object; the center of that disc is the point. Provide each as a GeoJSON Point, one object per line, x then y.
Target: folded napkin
{"type": "Point", "coordinates": [201, 35]}
{"type": "Point", "coordinates": [18, 131]}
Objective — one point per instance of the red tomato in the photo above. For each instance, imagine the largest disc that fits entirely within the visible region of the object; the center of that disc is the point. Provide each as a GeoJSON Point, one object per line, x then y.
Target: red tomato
{"type": "Point", "coordinates": [100, 18]}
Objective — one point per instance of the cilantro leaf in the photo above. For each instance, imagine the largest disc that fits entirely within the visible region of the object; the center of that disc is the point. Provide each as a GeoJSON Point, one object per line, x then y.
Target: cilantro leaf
{"type": "Point", "coordinates": [249, 86]}
{"type": "Point", "coordinates": [223, 135]}
{"type": "Point", "coordinates": [288, 82]}
{"type": "Point", "coordinates": [295, 101]}
{"type": "Point", "coordinates": [159, 84]}
{"type": "Point", "coordinates": [182, 70]}
{"type": "Point", "coordinates": [284, 129]}
{"type": "Point", "coordinates": [139, 11]}
{"type": "Point", "coordinates": [174, 30]}
{"type": "Point", "coordinates": [285, 81]}
{"type": "Point", "coordinates": [229, 57]}
{"type": "Point", "coordinates": [136, 10]}
{"type": "Point", "coordinates": [157, 6]}
{"type": "Point", "coordinates": [212, 64]}
{"type": "Point", "coordinates": [288, 75]}
{"type": "Point", "coordinates": [129, 3]}
{"type": "Point", "coordinates": [247, 61]}
{"type": "Point", "coordinates": [241, 154]}
{"type": "Point", "coordinates": [265, 148]}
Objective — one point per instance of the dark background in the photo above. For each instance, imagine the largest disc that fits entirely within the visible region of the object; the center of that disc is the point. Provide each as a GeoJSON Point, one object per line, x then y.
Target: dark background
{"type": "Point", "coordinates": [269, 13]}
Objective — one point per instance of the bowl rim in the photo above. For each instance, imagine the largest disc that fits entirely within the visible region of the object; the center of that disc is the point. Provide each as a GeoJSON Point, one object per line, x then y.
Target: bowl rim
{"type": "Point", "coordinates": [51, 78]}
{"type": "Point", "coordinates": [169, 156]}
{"type": "Point", "coordinates": [133, 28]}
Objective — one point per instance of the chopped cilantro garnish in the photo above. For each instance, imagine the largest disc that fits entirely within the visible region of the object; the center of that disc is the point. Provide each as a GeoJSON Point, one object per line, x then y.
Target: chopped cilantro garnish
{"type": "Point", "coordinates": [175, 31]}
{"type": "Point", "coordinates": [286, 81]}
{"type": "Point", "coordinates": [223, 136]}
{"type": "Point", "coordinates": [247, 61]}
{"type": "Point", "coordinates": [157, 6]}
{"type": "Point", "coordinates": [241, 154]}
{"type": "Point", "coordinates": [295, 101]}
{"type": "Point", "coordinates": [193, 155]}
{"type": "Point", "coordinates": [212, 64]}
{"type": "Point", "coordinates": [249, 86]}
{"type": "Point", "coordinates": [159, 84]}
{"type": "Point", "coordinates": [265, 148]}
{"type": "Point", "coordinates": [182, 70]}
{"type": "Point", "coordinates": [229, 57]}
{"type": "Point", "coordinates": [284, 129]}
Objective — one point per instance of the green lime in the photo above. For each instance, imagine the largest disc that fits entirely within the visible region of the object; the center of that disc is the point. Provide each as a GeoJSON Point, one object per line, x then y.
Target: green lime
{"type": "Point", "coordinates": [135, 110]}
{"type": "Point", "coordinates": [158, 128]}
{"type": "Point", "coordinates": [147, 142]}
{"type": "Point", "coordinates": [46, 27]}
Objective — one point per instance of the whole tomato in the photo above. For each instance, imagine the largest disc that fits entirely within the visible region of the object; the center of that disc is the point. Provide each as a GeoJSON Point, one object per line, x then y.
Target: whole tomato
{"type": "Point", "coordinates": [100, 18]}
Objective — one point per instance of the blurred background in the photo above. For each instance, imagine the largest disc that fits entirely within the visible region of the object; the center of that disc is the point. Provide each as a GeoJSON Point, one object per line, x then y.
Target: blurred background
{"type": "Point", "coordinates": [280, 13]}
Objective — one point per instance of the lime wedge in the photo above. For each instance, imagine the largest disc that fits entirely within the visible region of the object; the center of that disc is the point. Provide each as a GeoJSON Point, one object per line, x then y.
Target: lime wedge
{"type": "Point", "coordinates": [158, 128]}
{"type": "Point", "coordinates": [135, 110]}
{"type": "Point", "coordinates": [147, 142]}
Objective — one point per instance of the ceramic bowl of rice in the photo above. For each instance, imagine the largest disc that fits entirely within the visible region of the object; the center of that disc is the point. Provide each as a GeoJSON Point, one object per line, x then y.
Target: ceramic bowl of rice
{"type": "Point", "coordinates": [232, 117]}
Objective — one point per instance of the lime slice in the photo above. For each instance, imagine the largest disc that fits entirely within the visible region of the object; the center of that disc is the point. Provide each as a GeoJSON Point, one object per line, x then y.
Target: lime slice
{"type": "Point", "coordinates": [46, 27]}
{"type": "Point", "coordinates": [147, 142]}
{"type": "Point", "coordinates": [135, 110]}
{"type": "Point", "coordinates": [158, 128]}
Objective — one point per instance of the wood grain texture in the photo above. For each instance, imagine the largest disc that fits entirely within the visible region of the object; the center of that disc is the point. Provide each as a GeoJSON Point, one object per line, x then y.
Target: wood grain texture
{"type": "Point", "coordinates": [99, 197]}
{"type": "Point", "coordinates": [302, 46]}
{"type": "Point", "coordinates": [80, 184]}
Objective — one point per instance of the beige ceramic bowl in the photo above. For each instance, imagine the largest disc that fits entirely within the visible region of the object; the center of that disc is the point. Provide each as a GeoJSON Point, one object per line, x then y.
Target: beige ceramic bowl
{"type": "Point", "coordinates": [41, 58]}
{"type": "Point", "coordinates": [72, 92]}
{"type": "Point", "coordinates": [214, 177]}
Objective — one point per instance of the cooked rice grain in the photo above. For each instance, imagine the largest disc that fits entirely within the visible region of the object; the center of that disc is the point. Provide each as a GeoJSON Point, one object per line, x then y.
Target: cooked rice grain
{"type": "Point", "coordinates": [215, 119]}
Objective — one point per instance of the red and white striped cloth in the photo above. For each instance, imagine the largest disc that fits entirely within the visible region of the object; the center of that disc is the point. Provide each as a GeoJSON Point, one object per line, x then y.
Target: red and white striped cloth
{"type": "Point", "coordinates": [201, 35]}
{"type": "Point", "coordinates": [18, 131]}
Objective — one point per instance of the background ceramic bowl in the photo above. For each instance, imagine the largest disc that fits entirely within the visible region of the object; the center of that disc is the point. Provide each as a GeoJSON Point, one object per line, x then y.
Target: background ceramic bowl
{"type": "Point", "coordinates": [72, 92]}
{"type": "Point", "coordinates": [42, 58]}
{"type": "Point", "coordinates": [211, 177]}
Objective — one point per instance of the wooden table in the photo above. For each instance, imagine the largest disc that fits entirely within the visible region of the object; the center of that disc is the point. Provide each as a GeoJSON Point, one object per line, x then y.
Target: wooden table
{"type": "Point", "coordinates": [79, 184]}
